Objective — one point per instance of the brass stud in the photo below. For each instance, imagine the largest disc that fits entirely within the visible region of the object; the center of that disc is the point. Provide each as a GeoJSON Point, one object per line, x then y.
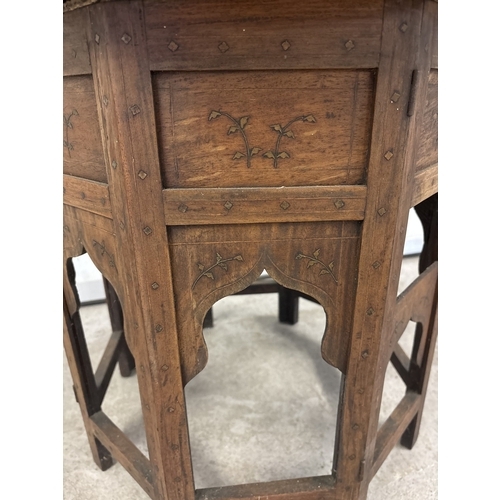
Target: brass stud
{"type": "Point", "coordinates": [395, 97]}
{"type": "Point", "coordinates": [228, 205]}
{"type": "Point", "coordinates": [339, 204]}
{"type": "Point", "coordinates": [105, 101]}
{"type": "Point", "coordinates": [364, 354]}
{"type": "Point", "coordinates": [403, 27]}
{"type": "Point", "coordinates": [147, 230]}
{"type": "Point", "coordinates": [381, 211]}
{"type": "Point", "coordinates": [155, 286]}
{"type": "Point", "coordinates": [135, 110]}
{"type": "Point", "coordinates": [126, 38]}
{"type": "Point", "coordinates": [158, 328]}
{"type": "Point", "coordinates": [376, 264]}
{"type": "Point", "coordinates": [182, 208]}
{"type": "Point", "coordinates": [285, 205]}
{"type": "Point", "coordinates": [349, 45]}
{"type": "Point", "coordinates": [172, 46]}
{"type": "Point", "coordinates": [142, 174]}
{"type": "Point", "coordinates": [97, 38]}
{"type": "Point", "coordinates": [114, 164]}
{"type": "Point", "coordinates": [286, 45]}
{"type": "Point", "coordinates": [388, 155]}
{"type": "Point", "coordinates": [370, 311]}
{"type": "Point", "coordinates": [223, 47]}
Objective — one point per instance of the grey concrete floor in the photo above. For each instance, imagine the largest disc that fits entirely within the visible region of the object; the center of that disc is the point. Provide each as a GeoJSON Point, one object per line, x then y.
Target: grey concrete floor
{"type": "Point", "coordinates": [263, 408]}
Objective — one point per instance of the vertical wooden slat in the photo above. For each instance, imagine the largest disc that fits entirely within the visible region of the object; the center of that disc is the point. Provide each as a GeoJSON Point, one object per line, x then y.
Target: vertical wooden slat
{"type": "Point", "coordinates": [390, 175]}
{"type": "Point", "coordinates": [119, 59]}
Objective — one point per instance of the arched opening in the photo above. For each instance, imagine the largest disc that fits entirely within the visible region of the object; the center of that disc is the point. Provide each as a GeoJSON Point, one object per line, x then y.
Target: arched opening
{"type": "Point", "coordinates": [264, 408]}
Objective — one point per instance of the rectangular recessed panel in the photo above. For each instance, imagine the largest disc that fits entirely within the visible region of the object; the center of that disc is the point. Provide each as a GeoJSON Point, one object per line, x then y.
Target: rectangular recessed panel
{"type": "Point", "coordinates": [236, 129]}
{"type": "Point", "coordinates": [82, 147]}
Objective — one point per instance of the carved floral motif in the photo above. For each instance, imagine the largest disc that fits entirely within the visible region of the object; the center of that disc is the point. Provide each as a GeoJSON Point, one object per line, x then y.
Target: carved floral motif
{"type": "Point", "coordinates": [238, 125]}
{"type": "Point", "coordinates": [314, 259]}
{"type": "Point", "coordinates": [220, 262]}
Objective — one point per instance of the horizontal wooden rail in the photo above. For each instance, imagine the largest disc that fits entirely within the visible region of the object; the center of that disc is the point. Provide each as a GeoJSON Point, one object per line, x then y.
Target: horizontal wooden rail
{"type": "Point", "coordinates": [310, 488]}
{"type": "Point", "coordinates": [426, 184]}
{"type": "Point", "coordinates": [392, 430]}
{"type": "Point", "coordinates": [123, 450]}
{"type": "Point", "coordinates": [87, 195]}
{"type": "Point", "coordinates": [253, 205]}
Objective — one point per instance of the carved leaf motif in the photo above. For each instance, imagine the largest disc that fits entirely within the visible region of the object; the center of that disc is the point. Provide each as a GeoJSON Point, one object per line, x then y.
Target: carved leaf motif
{"type": "Point", "coordinates": [269, 154]}
{"type": "Point", "coordinates": [232, 130]}
{"type": "Point", "coordinates": [201, 267]}
{"type": "Point", "coordinates": [75, 112]}
{"type": "Point", "coordinates": [289, 133]}
{"type": "Point", "coordinates": [309, 118]}
{"type": "Point", "coordinates": [69, 124]}
{"type": "Point", "coordinates": [238, 155]}
{"type": "Point", "coordinates": [244, 121]}
{"type": "Point", "coordinates": [238, 257]}
{"type": "Point", "coordinates": [283, 154]}
{"type": "Point", "coordinates": [223, 265]}
{"type": "Point", "coordinates": [65, 144]}
{"type": "Point", "coordinates": [255, 151]}
{"type": "Point", "coordinates": [310, 264]}
{"type": "Point", "coordinates": [316, 253]}
{"type": "Point", "coordinates": [213, 115]}
{"type": "Point", "coordinates": [323, 271]}
{"type": "Point", "coordinates": [218, 257]}
{"type": "Point", "coordinates": [277, 127]}
{"type": "Point", "coordinates": [330, 266]}
{"type": "Point", "coordinates": [210, 275]}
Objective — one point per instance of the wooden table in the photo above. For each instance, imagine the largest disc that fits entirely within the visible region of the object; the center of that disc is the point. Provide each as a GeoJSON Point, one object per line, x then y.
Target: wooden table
{"type": "Point", "coordinates": [207, 141]}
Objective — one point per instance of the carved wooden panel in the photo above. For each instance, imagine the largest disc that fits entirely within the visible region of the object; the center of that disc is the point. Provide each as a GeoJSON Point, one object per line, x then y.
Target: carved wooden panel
{"type": "Point", "coordinates": [427, 153]}
{"type": "Point", "coordinates": [263, 35]}
{"type": "Point", "coordinates": [82, 146]}
{"type": "Point", "coordinates": [76, 60]}
{"type": "Point", "coordinates": [263, 128]}
{"type": "Point", "coordinates": [211, 262]}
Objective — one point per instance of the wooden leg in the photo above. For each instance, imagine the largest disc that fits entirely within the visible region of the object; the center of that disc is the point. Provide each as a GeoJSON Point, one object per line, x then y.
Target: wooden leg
{"type": "Point", "coordinates": [288, 305]}
{"type": "Point", "coordinates": [84, 383]}
{"type": "Point", "coordinates": [208, 322]}
{"type": "Point", "coordinates": [126, 360]}
{"type": "Point", "coordinates": [424, 343]}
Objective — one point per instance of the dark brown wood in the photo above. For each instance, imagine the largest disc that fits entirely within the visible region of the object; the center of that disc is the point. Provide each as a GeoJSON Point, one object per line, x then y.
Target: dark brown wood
{"type": "Point", "coordinates": [271, 35]}
{"type": "Point", "coordinates": [246, 205]}
{"type": "Point", "coordinates": [136, 464]}
{"type": "Point", "coordinates": [75, 51]}
{"type": "Point", "coordinates": [311, 488]}
{"type": "Point", "coordinates": [83, 154]}
{"type": "Point", "coordinates": [234, 129]}
{"type": "Point", "coordinates": [426, 184]}
{"type": "Point", "coordinates": [126, 360]}
{"type": "Point", "coordinates": [392, 430]}
{"type": "Point", "coordinates": [207, 143]}
{"type": "Point", "coordinates": [87, 195]}
{"type": "Point", "coordinates": [83, 383]}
